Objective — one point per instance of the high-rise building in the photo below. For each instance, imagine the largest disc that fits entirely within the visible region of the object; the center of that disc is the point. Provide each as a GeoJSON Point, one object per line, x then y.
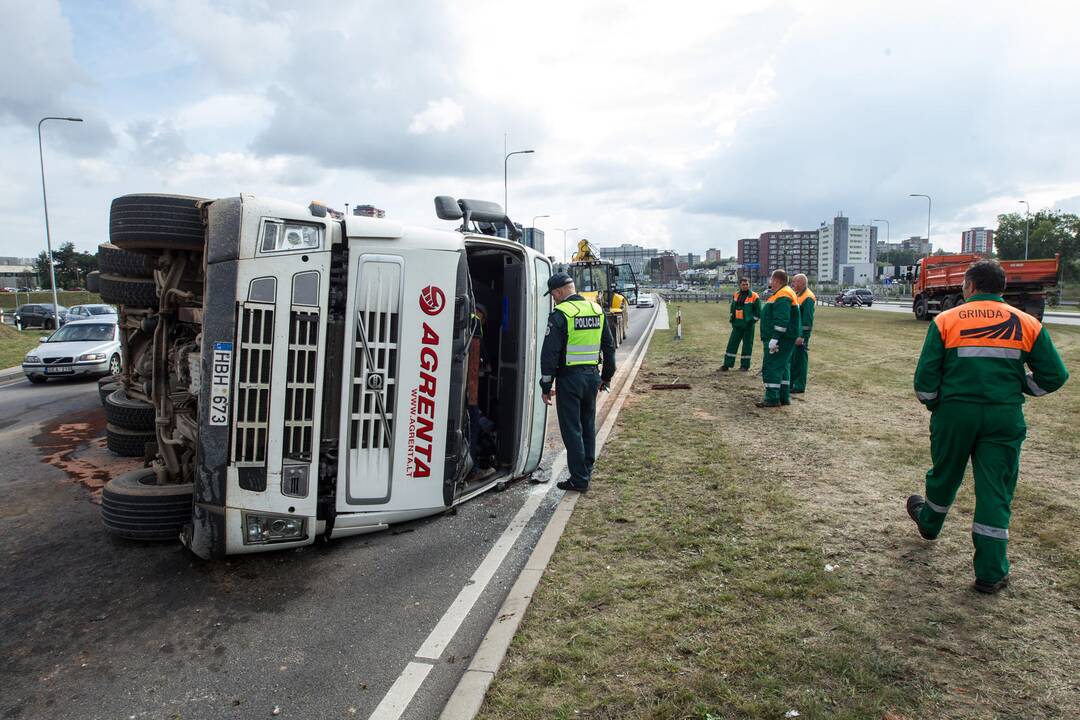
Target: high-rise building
{"type": "Point", "coordinates": [712, 255]}
{"type": "Point", "coordinates": [637, 256]}
{"type": "Point", "coordinates": [793, 250]}
{"type": "Point", "coordinates": [688, 260]}
{"type": "Point", "coordinates": [977, 240]}
{"type": "Point", "coordinates": [841, 243]}
{"type": "Point", "coordinates": [750, 259]}
{"type": "Point", "coordinates": [918, 245]}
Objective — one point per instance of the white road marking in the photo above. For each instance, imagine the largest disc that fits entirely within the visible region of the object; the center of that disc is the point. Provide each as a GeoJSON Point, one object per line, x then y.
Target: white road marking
{"type": "Point", "coordinates": [451, 620]}
{"type": "Point", "coordinates": [402, 691]}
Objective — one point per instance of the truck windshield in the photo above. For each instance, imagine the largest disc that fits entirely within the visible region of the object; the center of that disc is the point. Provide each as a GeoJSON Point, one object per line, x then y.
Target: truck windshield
{"type": "Point", "coordinates": [590, 278]}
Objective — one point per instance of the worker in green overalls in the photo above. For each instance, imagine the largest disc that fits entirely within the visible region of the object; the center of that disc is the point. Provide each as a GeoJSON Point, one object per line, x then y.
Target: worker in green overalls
{"type": "Point", "coordinates": [576, 338]}
{"type": "Point", "coordinates": [780, 327]}
{"type": "Point", "coordinates": [972, 376]}
{"type": "Point", "coordinates": [745, 311]}
{"type": "Point", "coordinates": [800, 356]}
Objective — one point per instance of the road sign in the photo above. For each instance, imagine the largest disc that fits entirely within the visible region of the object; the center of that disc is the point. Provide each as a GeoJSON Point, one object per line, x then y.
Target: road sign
{"type": "Point", "coordinates": [751, 266]}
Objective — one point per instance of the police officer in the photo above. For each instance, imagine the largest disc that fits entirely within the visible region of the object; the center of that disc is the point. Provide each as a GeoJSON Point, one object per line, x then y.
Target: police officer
{"type": "Point", "coordinates": [800, 356]}
{"type": "Point", "coordinates": [576, 338]}
{"type": "Point", "coordinates": [744, 313]}
{"type": "Point", "coordinates": [780, 326]}
{"type": "Point", "coordinates": [972, 377]}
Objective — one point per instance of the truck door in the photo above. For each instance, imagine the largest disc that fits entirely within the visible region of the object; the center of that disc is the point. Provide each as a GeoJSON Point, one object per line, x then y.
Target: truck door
{"type": "Point", "coordinates": [534, 405]}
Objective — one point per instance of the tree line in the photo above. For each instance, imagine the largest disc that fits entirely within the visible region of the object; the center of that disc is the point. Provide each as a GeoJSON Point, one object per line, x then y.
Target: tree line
{"type": "Point", "coordinates": [71, 267]}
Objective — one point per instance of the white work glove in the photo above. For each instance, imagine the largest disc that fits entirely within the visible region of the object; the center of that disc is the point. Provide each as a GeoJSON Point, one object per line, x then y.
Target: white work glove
{"type": "Point", "coordinates": [774, 345]}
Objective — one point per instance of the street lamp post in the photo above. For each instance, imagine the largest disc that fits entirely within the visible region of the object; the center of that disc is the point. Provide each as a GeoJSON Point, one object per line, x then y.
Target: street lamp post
{"type": "Point", "coordinates": [45, 202]}
{"type": "Point", "coordinates": [1027, 216]}
{"type": "Point", "coordinates": [537, 217]}
{"type": "Point", "coordinates": [929, 205]}
{"type": "Point", "coordinates": [506, 201]}
{"type": "Point", "coordinates": [565, 256]}
{"type": "Point", "coordinates": [888, 230]}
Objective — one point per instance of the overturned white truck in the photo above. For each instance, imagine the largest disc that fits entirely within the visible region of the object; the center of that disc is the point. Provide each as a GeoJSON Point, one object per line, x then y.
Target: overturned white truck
{"type": "Point", "coordinates": [293, 373]}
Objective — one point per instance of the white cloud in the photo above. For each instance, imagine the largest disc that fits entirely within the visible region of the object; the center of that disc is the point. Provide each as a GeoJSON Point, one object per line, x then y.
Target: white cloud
{"type": "Point", "coordinates": [683, 124]}
{"type": "Point", "coordinates": [439, 116]}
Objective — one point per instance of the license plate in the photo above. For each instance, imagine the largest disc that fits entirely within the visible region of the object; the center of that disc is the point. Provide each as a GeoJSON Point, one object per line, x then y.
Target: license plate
{"type": "Point", "coordinates": [59, 370]}
{"type": "Point", "coordinates": [220, 383]}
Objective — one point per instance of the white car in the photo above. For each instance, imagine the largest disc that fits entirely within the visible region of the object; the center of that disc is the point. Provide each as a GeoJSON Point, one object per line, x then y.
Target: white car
{"type": "Point", "coordinates": [646, 300]}
{"type": "Point", "coordinates": [84, 347]}
{"type": "Point", "coordinates": [98, 312]}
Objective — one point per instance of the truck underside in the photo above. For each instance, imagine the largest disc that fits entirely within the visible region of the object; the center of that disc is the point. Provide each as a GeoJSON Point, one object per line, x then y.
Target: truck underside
{"type": "Point", "coordinates": [187, 329]}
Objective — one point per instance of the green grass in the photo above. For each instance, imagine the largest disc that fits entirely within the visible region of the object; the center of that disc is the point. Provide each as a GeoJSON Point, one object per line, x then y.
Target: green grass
{"type": "Point", "coordinates": [67, 299]}
{"type": "Point", "coordinates": [14, 344]}
{"type": "Point", "coordinates": [691, 581]}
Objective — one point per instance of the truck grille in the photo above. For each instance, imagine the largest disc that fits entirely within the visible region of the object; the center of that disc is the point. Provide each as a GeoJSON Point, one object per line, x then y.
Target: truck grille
{"type": "Point", "coordinates": [300, 384]}
{"type": "Point", "coordinates": [252, 407]}
{"type": "Point", "coordinates": [375, 367]}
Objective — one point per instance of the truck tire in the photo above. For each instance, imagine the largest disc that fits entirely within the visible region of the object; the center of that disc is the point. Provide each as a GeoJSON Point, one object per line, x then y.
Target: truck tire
{"type": "Point", "coordinates": [107, 386]}
{"type": "Point", "coordinates": [115, 261]}
{"type": "Point", "coordinates": [133, 292]}
{"type": "Point", "coordinates": [93, 282]}
{"type": "Point", "coordinates": [128, 443]}
{"type": "Point", "coordinates": [948, 303]}
{"type": "Point", "coordinates": [1035, 308]}
{"type": "Point", "coordinates": [133, 506]}
{"type": "Point", "coordinates": [921, 308]}
{"type": "Point", "coordinates": [125, 412]}
{"type": "Point", "coordinates": [157, 222]}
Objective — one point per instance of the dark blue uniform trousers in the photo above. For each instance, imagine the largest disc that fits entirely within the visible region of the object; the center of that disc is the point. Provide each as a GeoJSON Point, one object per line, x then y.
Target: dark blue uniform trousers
{"type": "Point", "coordinates": [575, 402]}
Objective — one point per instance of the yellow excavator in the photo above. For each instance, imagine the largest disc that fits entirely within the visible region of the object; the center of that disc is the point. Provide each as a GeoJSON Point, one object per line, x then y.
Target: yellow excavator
{"type": "Point", "coordinates": [605, 283]}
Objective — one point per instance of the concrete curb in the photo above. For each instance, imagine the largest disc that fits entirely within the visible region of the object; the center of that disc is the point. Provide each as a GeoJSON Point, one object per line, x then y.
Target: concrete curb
{"type": "Point", "coordinates": [468, 697]}
{"type": "Point", "coordinates": [10, 373]}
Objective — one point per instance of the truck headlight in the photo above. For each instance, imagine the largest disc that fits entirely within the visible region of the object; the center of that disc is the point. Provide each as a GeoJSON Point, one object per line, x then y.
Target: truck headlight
{"type": "Point", "coordinates": [32, 360]}
{"type": "Point", "coordinates": [91, 357]}
{"type": "Point", "coordinates": [260, 529]}
{"type": "Point", "coordinates": [285, 237]}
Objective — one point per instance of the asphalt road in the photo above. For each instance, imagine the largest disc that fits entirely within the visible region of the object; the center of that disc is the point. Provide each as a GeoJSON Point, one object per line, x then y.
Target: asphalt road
{"type": "Point", "coordinates": [94, 627]}
{"type": "Point", "coordinates": [1048, 319]}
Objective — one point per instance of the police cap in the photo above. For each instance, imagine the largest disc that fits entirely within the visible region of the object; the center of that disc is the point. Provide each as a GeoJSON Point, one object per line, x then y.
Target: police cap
{"type": "Point", "coordinates": [557, 281]}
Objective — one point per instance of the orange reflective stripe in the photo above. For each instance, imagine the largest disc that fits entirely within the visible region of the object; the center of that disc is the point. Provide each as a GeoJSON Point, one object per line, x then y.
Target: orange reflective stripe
{"type": "Point", "coordinates": [739, 314]}
{"type": "Point", "coordinates": [784, 292]}
{"type": "Point", "coordinates": [752, 296]}
{"type": "Point", "coordinates": [987, 323]}
{"type": "Point", "coordinates": [805, 294]}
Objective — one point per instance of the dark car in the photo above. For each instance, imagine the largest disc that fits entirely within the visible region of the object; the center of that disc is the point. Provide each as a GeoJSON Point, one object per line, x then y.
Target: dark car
{"type": "Point", "coordinates": [39, 315]}
{"type": "Point", "coordinates": [855, 297]}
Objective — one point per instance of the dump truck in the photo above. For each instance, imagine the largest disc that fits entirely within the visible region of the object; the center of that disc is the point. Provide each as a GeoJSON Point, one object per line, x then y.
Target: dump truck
{"type": "Point", "coordinates": [939, 280]}
{"type": "Point", "coordinates": [601, 281]}
{"type": "Point", "coordinates": [292, 373]}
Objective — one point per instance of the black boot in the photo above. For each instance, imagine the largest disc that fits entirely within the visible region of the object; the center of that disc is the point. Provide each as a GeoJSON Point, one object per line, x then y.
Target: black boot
{"type": "Point", "coordinates": [914, 505]}
{"type": "Point", "coordinates": [569, 485]}
{"type": "Point", "coordinates": [724, 368]}
{"type": "Point", "coordinates": [990, 588]}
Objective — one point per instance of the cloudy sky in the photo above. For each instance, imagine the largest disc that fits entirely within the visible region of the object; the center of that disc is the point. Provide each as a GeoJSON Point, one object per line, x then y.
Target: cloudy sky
{"type": "Point", "coordinates": [683, 125]}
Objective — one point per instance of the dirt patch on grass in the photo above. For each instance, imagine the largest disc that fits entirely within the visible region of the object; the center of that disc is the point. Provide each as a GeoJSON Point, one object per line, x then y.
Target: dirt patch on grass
{"type": "Point", "coordinates": [737, 562]}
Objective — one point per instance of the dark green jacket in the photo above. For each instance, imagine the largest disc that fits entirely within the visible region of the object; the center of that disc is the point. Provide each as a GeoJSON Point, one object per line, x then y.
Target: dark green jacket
{"type": "Point", "coordinates": [807, 301]}
{"type": "Point", "coordinates": [780, 317]}
{"type": "Point", "coordinates": [749, 303]}
{"type": "Point", "coordinates": [980, 352]}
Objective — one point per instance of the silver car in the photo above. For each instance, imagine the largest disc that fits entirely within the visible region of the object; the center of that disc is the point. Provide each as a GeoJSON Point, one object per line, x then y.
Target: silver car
{"type": "Point", "coordinates": [84, 347]}
{"type": "Point", "coordinates": [96, 311]}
